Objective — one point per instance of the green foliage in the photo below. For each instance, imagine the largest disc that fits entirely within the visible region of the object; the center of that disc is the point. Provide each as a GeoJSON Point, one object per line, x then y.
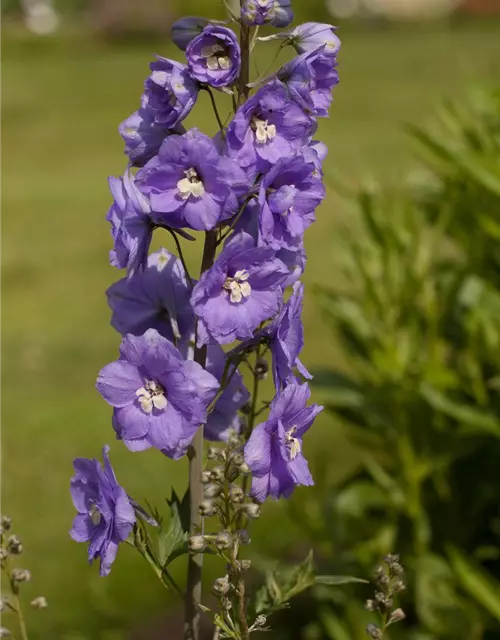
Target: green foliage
{"type": "Point", "coordinates": [418, 318]}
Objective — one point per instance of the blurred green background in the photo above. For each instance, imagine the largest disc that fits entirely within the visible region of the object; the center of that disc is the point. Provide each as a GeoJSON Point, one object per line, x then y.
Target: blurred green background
{"type": "Point", "coordinates": [63, 97]}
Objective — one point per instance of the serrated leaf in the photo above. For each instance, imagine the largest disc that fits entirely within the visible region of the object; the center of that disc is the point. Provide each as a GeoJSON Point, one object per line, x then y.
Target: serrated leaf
{"type": "Point", "coordinates": [335, 581]}
{"type": "Point", "coordinates": [172, 541]}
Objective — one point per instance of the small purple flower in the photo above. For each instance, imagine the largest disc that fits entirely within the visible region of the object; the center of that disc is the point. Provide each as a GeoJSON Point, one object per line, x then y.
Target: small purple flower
{"type": "Point", "coordinates": [131, 225]}
{"type": "Point", "coordinates": [311, 35]}
{"type": "Point", "coordinates": [143, 137]}
{"type": "Point", "coordinates": [169, 93]}
{"type": "Point", "coordinates": [295, 261]}
{"type": "Point", "coordinates": [187, 28]}
{"type": "Point", "coordinates": [188, 183]}
{"type": "Point", "coordinates": [106, 516]}
{"type": "Point", "coordinates": [240, 291]}
{"type": "Point", "coordinates": [274, 450]}
{"type": "Point", "coordinates": [310, 79]}
{"type": "Point", "coordinates": [286, 339]}
{"type": "Point", "coordinates": [158, 298]}
{"type": "Point", "coordinates": [268, 127]}
{"type": "Point", "coordinates": [275, 12]}
{"type": "Point", "coordinates": [289, 194]}
{"type": "Point", "coordinates": [159, 398]}
{"type": "Point", "coordinates": [214, 56]}
{"type": "Point", "coordinates": [224, 418]}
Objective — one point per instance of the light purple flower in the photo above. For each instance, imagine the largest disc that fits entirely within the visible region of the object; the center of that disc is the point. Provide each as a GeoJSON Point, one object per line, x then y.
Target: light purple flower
{"type": "Point", "coordinates": [131, 225]}
{"type": "Point", "coordinates": [106, 516]}
{"type": "Point", "coordinates": [268, 127]}
{"type": "Point", "coordinates": [295, 262]}
{"type": "Point", "coordinates": [159, 398]}
{"type": "Point", "coordinates": [187, 28]}
{"type": "Point", "coordinates": [311, 35]}
{"type": "Point", "coordinates": [310, 78]}
{"type": "Point", "coordinates": [169, 93]}
{"type": "Point", "coordinates": [278, 13]}
{"type": "Point", "coordinates": [214, 56]}
{"type": "Point", "coordinates": [224, 418]}
{"type": "Point", "coordinates": [158, 298]}
{"type": "Point", "coordinates": [289, 194]}
{"type": "Point", "coordinates": [286, 339]}
{"type": "Point", "coordinates": [143, 137]}
{"type": "Point", "coordinates": [189, 183]}
{"type": "Point", "coordinates": [240, 291]}
{"type": "Point", "coordinates": [274, 450]}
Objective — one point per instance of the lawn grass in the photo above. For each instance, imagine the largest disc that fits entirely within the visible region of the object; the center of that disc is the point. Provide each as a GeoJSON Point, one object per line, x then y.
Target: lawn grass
{"type": "Point", "coordinates": [62, 102]}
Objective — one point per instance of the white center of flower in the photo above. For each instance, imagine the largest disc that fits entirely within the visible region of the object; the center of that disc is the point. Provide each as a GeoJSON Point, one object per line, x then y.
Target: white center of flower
{"type": "Point", "coordinates": [95, 515]}
{"type": "Point", "coordinates": [237, 286]}
{"type": "Point", "coordinates": [151, 395]}
{"type": "Point", "coordinates": [293, 444]}
{"type": "Point", "coordinates": [191, 185]}
{"type": "Point", "coordinates": [263, 130]}
{"type": "Point", "coordinates": [162, 260]}
{"type": "Point", "coordinates": [216, 56]}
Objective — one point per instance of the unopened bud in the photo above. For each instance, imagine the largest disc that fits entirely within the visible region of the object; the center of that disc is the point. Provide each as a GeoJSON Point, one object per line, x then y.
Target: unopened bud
{"type": "Point", "coordinates": [370, 605]}
{"type": "Point", "coordinates": [384, 580]}
{"type": "Point", "coordinates": [217, 474]}
{"type": "Point", "coordinates": [397, 615]}
{"type": "Point", "coordinates": [245, 565]}
{"type": "Point", "coordinates": [244, 469]}
{"type": "Point", "coordinates": [260, 621]}
{"type": "Point", "coordinates": [223, 540]}
{"type": "Point", "coordinates": [396, 569]}
{"type": "Point", "coordinates": [261, 369]}
{"type": "Point", "coordinates": [207, 508]}
{"type": "Point", "coordinates": [243, 536]}
{"type": "Point", "coordinates": [39, 603]}
{"type": "Point", "coordinates": [236, 495]}
{"type": "Point", "coordinates": [21, 575]}
{"type": "Point", "coordinates": [213, 453]}
{"type": "Point", "coordinates": [5, 633]}
{"type": "Point", "coordinates": [196, 543]}
{"type": "Point", "coordinates": [4, 604]}
{"type": "Point", "coordinates": [205, 477]}
{"type": "Point", "coordinates": [186, 29]}
{"type": "Point", "coordinates": [211, 490]}
{"type": "Point", "coordinates": [391, 559]}
{"type": "Point", "coordinates": [5, 523]}
{"type": "Point", "coordinates": [374, 632]}
{"type": "Point", "coordinates": [221, 585]}
{"type": "Point", "coordinates": [3, 554]}
{"type": "Point", "coordinates": [237, 459]}
{"type": "Point", "coordinates": [14, 545]}
{"type": "Point", "coordinates": [233, 440]}
{"type": "Point", "coordinates": [398, 586]}
{"type": "Point", "coordinates": [253, 510]}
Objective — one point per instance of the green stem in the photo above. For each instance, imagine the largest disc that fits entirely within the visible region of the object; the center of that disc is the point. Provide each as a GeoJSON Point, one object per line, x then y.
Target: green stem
{"type": "Point", "coordinates": [216, 111]}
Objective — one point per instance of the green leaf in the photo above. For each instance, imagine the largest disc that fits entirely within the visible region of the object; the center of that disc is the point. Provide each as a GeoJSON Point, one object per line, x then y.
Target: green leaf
{"type": "Point", "coordinates": [173, 540]}
{"type": "Point", "coordinates": [335, 581]}
{"type": "Point", "coordinates": [478, 583]}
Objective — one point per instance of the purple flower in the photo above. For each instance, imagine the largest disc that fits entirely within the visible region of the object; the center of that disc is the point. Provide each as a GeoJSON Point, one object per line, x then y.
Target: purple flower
{"type": "Point", "coordinates": [143, 137]}
{"type": "Point", "coordinates": [185, 29]}
{"type": "Point", "coordinates": [311, 35]}
{"type": "Point", "coordinates": [214, 56]}
{"type": "Point", "coordinates": [258, 12]}
{"type": "Point", "coordinates": [157, 298]}
{"type": "Point", "coordinates": [224, 418]}
{"type": "Point", "coordinates": [240, 291]}
{"type": "Point", "coordinates": [188, 183]}
{"type": "Point", "coordinates": [105, 514]}
{"type": "Point", "coordinates": [295, 262]}
{"type": "Point", "coordinates": [286, 339]}
{"type": "Point", "coordinates": [131, 225]}
{"type": "Point", "coordinates": [169, 93]}
{"type": "Point", "coordinates": [310, 78]}
{"type": "Point", "coordinates": [159, 398]}
{"type": "Point", "coordinates": [274, 450]}
{"type": "Point", "coordinates": [289, 194]}
{"type": "Point", "coordinates": [268, 127]}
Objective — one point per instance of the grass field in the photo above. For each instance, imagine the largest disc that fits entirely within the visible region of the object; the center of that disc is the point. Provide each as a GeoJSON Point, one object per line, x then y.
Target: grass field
{"type": "Point", "coordinates": [62, 103]}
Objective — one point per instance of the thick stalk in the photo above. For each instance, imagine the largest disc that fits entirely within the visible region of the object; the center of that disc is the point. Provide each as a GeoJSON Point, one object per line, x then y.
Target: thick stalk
{"type": "Point", "coordinates": [195, 453]}
{"type": "Point", "coordinates": [243, 89]}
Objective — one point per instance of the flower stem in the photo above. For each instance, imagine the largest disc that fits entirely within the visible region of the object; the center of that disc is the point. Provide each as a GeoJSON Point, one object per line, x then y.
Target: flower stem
{"type": "Point", "coordinates": [243, 88]}
{"type": "Point", "coordinates": [195, 453]}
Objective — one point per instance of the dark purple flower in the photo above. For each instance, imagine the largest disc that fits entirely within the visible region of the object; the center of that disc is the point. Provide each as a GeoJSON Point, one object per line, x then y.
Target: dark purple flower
{"type": "Point", "coordinates": [143, 137]}
{"type": "Point", "coordinates": [240, 291]}
{"type": "Point", "coordinates": [275, 12]}
{"type": "Point", "coordinates": [289, 194]}
{"type": "Point", "coordinates": [131, 225]}
{"type": "Point", "coordinates": [286, 339]}
{"type": "Point", "coordinates": [274, 450]}
{"type": "Point", "coordinates": [310, 79]}
{"type": "Point", "coordinates": [268, 127]}
{"type": "Point", "coordinates": [214, 56]}
{"type": "Point", "coordinates": [157, 298]}
{"type": "Point", "coordinates": [106, 516]}
{"type": "Point", "coordinates": [159, 398]}
{"type": "Point", "coordinates": [189, 184]}
{"type": "Point", "coordinates": [169, 93]}
{"type": "Point", "coordinates": [187, 28]}
{"type": "Point", "coordinates": [311, 35]}
{"type": "Point", "coordinates": [224, 418]}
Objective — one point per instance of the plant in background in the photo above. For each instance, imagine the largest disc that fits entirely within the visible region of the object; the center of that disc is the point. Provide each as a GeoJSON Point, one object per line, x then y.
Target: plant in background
{"type": "Point", "coordinates": [418, 319]}
{"type": "Point", "coordinates": [15, 577]}
{"type": "Point", "coordinates": [252, 189]}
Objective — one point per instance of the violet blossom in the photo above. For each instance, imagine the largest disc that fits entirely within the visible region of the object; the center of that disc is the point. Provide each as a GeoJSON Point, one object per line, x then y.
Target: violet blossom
{"type": "Point", "coordinates": [143, 137]}
{"type": "Point", "coordinates": [278, 13]}
{"type": "Point", "coordinates": [106, 515]}
{"type": "Point", "coordinates": [214, 56]}
{"type": "Point", "coordinates": [187, 28]}
{"type": "Point", "coordinates": [240, 291]}
{"type": "Point", "coordinates": [159, 399]}
{"type": "Point", "coordinates": [311, 35]}
{"type": "Point", "coordinates": [274, 450]}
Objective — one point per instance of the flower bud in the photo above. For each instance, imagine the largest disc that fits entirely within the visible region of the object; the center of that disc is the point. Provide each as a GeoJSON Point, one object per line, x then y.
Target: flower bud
{"type": "Point", "coordinates": [207, 508]}
{"type": "Point", "coordinates": [213, 453]}
{"type": "Point", "coordinates": [243, 536]}
{"type": "Point", "coordinates": [39, 603]}
{"type": "Point", "coordinates": [4, 604]}
{"type": "Point", "coordinates": [396, 569]}
{"type": "Point", "coordinates": [217, 474]}
{"type": "Point", "coordinates": [21, 575]}
{"type": "Point", "coordinates": [5, 523]}
{"type": "Point", "coordinates": [205, 477]}
{"type": "Point", "coordinates": [374, 632]}
{"type": "Point", "coordinates": [238, 459]}
{"type": "Point", "coordinates": [245, 565]}
{"type": "Point", "coordinates": [196, 543]}
{"type": "Point", "coordinates": [236, 495]}
{"type": "Point", "coordinates": [397, 615]}
{"type": "Point", "coordinates": [211, 490]}
{"type": "Point", "coordinates": [186, 29]}
{"type": "Point", "coordinates": [5, 633]}
{"type": "Point", "coordinates": [233, 440]}
{"type": "Point", "coordinates": [260, 621]}
{"type": "Point", "coordinates": [398, 586]}
{"type": "Point", "coordinates": [3, 554]}
{"type": "Point", "coordinates": [223, 540]}
{"type": "Point", "coordinates": [14, 545]}
{"type": "Point", "coordinates": [253, 510]}
{"type": "Point", "coordinates": [221, 585]}
{"type": "Point", "coordinates": [261, 369]}
{"type": "Point", "coordinates": [370, 605]}
{"type": "Point", "coordinates": [244, 469]}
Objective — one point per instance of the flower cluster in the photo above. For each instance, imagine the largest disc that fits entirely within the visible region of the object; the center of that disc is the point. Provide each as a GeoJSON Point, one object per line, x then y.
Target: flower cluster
{"type": "Point", "coordinates": [253, 189]}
